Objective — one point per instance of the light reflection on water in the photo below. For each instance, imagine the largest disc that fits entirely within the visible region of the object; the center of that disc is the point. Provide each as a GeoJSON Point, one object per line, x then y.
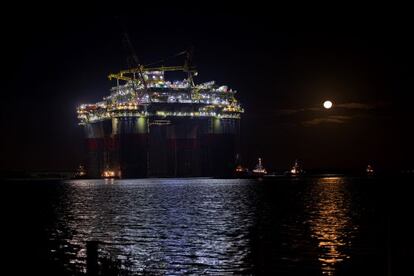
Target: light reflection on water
{"type": "Point", "coordinates": [328, 209]}
{"type": "Point", "coordinates": [197, 226]}
{"type": "Point", "coordinates": [162, 226]}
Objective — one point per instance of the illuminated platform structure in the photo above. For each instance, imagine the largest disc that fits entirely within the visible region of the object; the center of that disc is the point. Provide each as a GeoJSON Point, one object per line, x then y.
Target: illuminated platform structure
{"type": "Point", "coordinates": [149, 126]}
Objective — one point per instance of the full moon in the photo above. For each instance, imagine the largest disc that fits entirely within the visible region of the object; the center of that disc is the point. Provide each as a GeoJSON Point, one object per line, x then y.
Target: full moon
{"type": "Point", "coordinates": [327, 104]}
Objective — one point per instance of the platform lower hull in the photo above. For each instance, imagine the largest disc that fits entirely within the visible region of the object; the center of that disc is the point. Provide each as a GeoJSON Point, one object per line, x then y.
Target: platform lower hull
{"type": "Point", "coordinates": [184, 147]}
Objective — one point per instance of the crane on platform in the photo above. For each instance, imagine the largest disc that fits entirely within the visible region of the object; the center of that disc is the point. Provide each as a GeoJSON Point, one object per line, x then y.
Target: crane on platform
{"type": "Point", "coordinates": [137, 65]}
{"type": "Point", "coordinates": [129, 74]}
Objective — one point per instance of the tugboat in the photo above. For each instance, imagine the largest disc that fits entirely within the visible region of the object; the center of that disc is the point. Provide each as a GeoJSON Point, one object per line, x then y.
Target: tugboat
{"type": "Point", "coordinates": [109, 174]}
{"type": "Point", "coordinates": [241, 172]}
{"type": "Point", "coordinates": [296, 170]}
{"type": "Point", "coordinates": [370, 170]}
{"type": "Point", "coordinates": [259, 170]}
{"type": "Point", "coordinates": [80, 173]}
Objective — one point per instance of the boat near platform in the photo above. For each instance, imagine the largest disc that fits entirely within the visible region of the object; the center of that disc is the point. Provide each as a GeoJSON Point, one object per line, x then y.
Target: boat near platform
{"type": "Point", "coordinates": [259, 170]}
{"type": "Point", "coordinates": [296, 170]}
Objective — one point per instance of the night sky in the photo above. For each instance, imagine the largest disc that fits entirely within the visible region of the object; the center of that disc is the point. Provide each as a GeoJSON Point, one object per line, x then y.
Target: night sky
{"type": "Point", "coordinates": [283, 65]}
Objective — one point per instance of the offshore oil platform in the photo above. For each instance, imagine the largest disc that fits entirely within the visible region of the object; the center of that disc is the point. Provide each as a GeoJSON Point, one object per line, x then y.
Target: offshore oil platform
{"type": "Point", "coordinates": [152, 127]}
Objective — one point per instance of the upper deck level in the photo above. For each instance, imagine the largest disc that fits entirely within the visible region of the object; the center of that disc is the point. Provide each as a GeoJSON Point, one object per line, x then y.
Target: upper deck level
{"type": "Point", "coordinates": [152, 95]}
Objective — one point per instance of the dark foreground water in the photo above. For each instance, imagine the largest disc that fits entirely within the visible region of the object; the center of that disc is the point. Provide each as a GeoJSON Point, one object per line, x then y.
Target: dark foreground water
{"type": "Point", "coordinates": [284, 226]}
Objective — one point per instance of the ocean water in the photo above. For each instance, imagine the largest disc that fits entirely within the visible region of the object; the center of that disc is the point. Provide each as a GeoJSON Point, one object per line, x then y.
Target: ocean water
{"type": "Point", "coordinates": [325, 225]}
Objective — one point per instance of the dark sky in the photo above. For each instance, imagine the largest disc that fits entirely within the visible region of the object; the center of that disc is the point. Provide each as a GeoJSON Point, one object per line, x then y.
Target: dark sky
{"type": "Point", "coordinates": [283, 65]}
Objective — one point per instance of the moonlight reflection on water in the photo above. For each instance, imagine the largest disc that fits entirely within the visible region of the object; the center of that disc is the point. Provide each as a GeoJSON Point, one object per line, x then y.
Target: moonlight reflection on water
{"type": "Point", "coordinates": [328, 207]}
{"type": "Point", "coordinates": [286, 226]}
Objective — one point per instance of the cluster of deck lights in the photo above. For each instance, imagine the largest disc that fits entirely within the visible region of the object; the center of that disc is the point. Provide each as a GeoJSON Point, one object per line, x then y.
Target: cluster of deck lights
{"type": "Point", "coordinates": [126, 100]}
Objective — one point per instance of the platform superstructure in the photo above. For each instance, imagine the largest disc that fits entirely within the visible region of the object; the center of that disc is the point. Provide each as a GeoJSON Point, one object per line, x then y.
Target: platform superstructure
{"type": "Point", "coordinates": [151, 126]}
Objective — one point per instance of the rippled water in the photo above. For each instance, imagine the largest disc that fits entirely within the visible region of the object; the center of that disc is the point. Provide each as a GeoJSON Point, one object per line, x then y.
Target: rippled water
{"type": "Point", "coordinates": [311, 226]}
{"type": "Point", "coordinates": [164, 226]}
{"type": "Point", "coordinates": [330, 221]}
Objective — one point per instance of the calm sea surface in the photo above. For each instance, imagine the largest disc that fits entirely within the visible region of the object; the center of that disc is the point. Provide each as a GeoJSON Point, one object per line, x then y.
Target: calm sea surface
{"type": "Point", "coordinates": [326, 225]}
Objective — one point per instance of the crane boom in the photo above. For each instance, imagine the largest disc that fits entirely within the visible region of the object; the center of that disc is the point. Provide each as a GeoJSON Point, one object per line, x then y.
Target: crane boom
{"type": "Point", "coordinates": [124, 74]}
{"type": "Point", "coordinates": [137, 69]}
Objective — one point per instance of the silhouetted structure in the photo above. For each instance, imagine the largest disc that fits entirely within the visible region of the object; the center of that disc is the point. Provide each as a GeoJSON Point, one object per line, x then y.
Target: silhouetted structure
{"type": "Point", "coordinates": [152, 127]}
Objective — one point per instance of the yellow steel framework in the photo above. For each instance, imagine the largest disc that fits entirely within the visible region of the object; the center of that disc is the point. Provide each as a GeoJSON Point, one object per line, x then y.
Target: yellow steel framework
{"type": "Point", "coordinates": [125, 74]}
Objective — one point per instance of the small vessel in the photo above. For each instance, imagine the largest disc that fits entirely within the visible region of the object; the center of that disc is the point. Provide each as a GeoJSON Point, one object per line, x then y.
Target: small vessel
{"type": "Point", "coordinates": [295, 170]}
{"type": "Point", "coordinates": [80, 172]}
{"type": "Point", "coordinates": [370, 170]}
{"type": "Point", "coordinates": [108, 173]}
{"type": "Point", "coordinates": [241, 172]}
{"type": "Point", "coordinates": [239, 169]}
{"type": "Point", "coordinates": [259, 170]}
